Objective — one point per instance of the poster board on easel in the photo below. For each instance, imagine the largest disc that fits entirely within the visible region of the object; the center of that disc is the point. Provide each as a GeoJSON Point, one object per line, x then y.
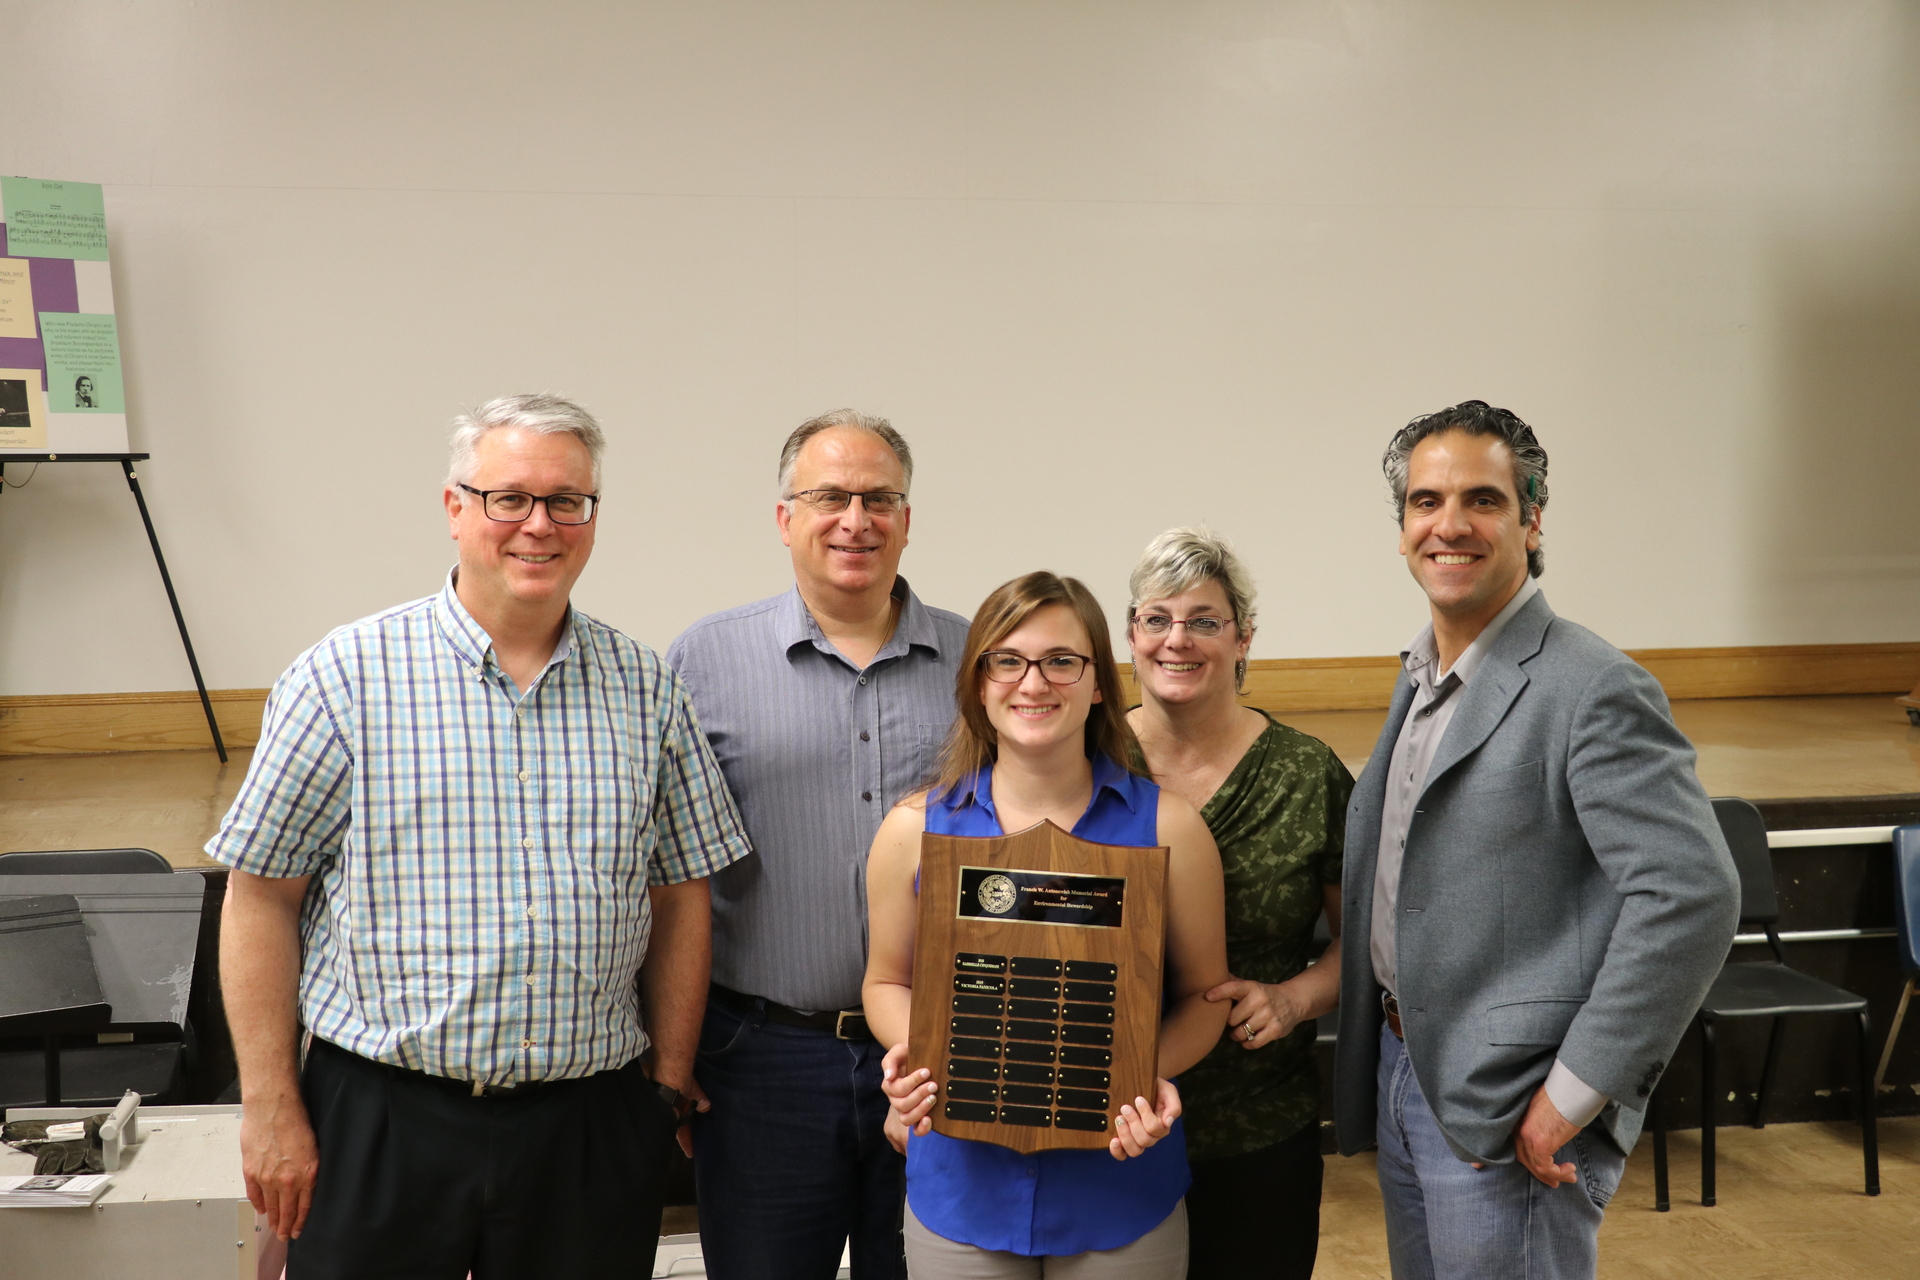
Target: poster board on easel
{"type": "Point", "coordinates": [61, 388]}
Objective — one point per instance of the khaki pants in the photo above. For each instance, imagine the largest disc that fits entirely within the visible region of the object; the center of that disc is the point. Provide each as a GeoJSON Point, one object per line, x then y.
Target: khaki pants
{"type": "Point", "coordinates": [1161, 1254]}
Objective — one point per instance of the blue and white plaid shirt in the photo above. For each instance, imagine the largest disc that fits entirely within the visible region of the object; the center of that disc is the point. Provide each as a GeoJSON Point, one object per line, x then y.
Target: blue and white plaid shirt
{"type": "Point", "coordinates": [480, 863]}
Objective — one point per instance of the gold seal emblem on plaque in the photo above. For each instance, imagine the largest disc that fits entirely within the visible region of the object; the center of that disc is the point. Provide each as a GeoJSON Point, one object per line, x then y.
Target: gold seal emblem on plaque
{"type": "Point", "coordinates": [997, 895]}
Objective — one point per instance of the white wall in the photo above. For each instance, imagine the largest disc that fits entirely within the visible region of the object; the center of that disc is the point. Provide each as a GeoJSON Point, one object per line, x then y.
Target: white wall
{"type": "Point", "coordinates": [1111, 266]}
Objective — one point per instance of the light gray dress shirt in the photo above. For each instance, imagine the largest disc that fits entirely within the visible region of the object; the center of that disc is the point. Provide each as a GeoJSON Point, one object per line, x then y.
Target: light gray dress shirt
{"type": "Point", "coordinates": [815, 751]}
{"type": "Point", "coordinates": [1436, 694]}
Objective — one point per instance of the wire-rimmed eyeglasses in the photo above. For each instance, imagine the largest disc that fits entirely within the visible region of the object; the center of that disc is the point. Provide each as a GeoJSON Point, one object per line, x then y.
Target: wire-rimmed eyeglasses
{"type": "Point", "coordinates": [1003, 666]}
{"type": "Point", "coordinates": [878, 502]}
{"type": "Point", "coordinates": [1204, 627]}
{"type": "Point", "coordinates": [511, 506]}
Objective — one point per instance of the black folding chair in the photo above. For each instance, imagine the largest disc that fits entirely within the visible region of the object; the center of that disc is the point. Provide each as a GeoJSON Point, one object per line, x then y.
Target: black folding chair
{"type": "Point", "coordinates": [83, 862]}
{"type": "Point", "coordinates": [1761, 989]}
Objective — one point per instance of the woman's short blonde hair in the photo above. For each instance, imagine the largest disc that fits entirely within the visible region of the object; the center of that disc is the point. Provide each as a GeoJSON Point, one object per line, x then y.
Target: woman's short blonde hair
{"type": "Point", "coordinates": [1180, 560]}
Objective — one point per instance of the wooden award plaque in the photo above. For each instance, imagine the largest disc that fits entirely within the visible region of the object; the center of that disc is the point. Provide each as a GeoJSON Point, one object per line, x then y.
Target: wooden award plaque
{"type": "Point", "coordinates": [1036, 984]}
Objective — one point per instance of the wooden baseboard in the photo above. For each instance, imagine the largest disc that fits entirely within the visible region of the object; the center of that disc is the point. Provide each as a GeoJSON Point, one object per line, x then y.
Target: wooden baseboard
{"type": "Point", "coordinates": [1783, 670]}
{"type": "Point", "coordinates": [62, 724]}
{"type": "Point", "coordinates": [83, 724]}
{"type": "Point", "coordinates": [1282, 685]}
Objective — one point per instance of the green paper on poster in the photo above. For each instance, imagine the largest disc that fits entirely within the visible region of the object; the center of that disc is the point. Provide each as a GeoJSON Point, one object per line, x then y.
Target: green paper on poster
{"type": "Point", "coordinates": [83, 363]}
{"type": "Point", "coordinates": [47, 219]}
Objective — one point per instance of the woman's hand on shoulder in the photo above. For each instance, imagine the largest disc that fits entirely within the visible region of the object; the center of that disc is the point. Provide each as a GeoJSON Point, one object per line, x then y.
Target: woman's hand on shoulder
{"type": "Point", "coordinates": [1140, 1123]}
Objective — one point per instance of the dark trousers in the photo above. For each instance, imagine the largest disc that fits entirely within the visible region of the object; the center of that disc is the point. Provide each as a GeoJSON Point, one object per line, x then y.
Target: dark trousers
{"type": "Point", "coordinates": [1257, 1215]}
{"type": "Point", "coordinates": [791, 1163]}
{"type": "Point", "coordinates": [423, 1182]}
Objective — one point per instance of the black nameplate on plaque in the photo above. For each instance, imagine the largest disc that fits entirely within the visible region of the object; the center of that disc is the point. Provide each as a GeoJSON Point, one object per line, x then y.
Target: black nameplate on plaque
{"type": "Point", "coordinates": [1042, 897]}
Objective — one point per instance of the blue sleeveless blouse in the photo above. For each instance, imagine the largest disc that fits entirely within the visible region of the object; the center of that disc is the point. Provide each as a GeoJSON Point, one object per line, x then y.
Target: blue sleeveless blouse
{"type": "Point", "coordinates": [1050, 1203]}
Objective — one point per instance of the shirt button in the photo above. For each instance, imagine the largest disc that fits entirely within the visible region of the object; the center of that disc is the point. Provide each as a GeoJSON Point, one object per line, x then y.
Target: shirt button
{"type": "Point", "coordinates": [864, 735]}
{"type": "Point", "coordinates": [529, 911]}
{"type": "Point", "coordinates": [529, 979]}
{"type": "Point", "coordinates": [523, 775]}
{"type": "Point", "coordinates": [527, 843]}
{"type": "Point", "coordinates": [526, 1044]}
{"type": "Point", "coordinates": [863, 679]}
{"type": "Point", "coordinates": [866, 795]}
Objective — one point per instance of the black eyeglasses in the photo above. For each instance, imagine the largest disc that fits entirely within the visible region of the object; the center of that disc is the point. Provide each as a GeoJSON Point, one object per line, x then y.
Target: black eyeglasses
{"type": "Point", "coordinates": [1158, 624]}
{"type": "Point", "coordinates": [878, 502]}
{"type": "Point", "coordinates": [1003, 666]}
{"type": "Point", "coordinates": [510, 506]}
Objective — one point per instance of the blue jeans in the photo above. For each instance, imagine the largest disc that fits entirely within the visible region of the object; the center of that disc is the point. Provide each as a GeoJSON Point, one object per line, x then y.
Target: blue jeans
{"type": "Point", "coordinates": [1447, 1220]}
{"type": "Point", "coordinates": [791, 1163]}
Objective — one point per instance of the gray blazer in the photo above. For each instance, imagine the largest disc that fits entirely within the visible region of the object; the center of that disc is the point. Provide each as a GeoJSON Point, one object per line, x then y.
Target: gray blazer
{"type": "Point", "coordinates": [1565, 892]}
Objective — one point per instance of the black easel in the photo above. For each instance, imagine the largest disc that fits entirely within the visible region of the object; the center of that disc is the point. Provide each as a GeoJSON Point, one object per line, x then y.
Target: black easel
{"type": "Point", "coordinates": [126, 461]}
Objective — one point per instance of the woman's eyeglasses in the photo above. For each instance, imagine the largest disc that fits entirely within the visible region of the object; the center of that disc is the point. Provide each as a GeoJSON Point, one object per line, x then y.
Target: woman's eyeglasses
{"type": "Point", "coordinates": [1006, 667]}
{"type": "Point", "coordinates": [1158, 624]}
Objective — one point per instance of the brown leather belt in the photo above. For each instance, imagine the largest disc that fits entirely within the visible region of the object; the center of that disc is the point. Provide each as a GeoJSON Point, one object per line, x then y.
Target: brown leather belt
{"type": "Point", "coordinates": [846, 1024]}
{"type": "Point", "coordinates": [1391, 1007]}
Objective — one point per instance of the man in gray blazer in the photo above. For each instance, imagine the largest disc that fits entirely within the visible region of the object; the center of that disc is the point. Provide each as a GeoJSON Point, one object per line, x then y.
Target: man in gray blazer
{"type": "Point", "coordinates": [1537, 894]}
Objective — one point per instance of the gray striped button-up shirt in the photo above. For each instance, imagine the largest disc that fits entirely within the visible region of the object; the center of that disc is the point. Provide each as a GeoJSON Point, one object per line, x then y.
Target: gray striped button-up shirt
{"type": "Point", "coordinates": [816, 751]}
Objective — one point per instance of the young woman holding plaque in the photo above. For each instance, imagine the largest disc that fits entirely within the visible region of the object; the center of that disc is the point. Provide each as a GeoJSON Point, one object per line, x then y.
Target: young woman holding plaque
{"type": "Point", "coordinates": [1042, 735]}
{"type": "Point", "coordinates": [1275, 801]}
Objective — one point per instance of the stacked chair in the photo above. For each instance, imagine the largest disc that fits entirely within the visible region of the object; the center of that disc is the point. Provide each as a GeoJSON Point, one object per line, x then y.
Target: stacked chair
{"type": "Point", "coordinates": [120, 925]}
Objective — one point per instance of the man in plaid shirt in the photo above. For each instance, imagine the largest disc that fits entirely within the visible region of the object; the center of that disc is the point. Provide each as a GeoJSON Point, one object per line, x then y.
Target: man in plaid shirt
{"type": "Point", "coordinates": [471, 823]}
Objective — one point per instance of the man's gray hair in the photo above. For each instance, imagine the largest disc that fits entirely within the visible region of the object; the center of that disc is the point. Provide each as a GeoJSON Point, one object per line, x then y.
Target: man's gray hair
{"type": "Point", "coordinates": [1180, 560]}
{"type": "Point", "coordinates": [1476, 418]}
{"type": "Point", "coordinates": [790, 451]}
{"type": "Point", "coordinates": [547, 415]}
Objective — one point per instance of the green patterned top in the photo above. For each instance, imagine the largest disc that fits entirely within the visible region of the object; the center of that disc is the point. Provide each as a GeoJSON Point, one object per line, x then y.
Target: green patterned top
{"type": "Point", "coordinates": [1280, 822]}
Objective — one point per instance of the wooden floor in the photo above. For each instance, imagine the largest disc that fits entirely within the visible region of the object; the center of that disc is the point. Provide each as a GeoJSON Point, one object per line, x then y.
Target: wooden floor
{"type": "Point", "coordinates": [1791, 1208]}
{"type": "Point", "coordinates": [1761, 748]}
{"type": "Point", "coordinates": [168, 801]}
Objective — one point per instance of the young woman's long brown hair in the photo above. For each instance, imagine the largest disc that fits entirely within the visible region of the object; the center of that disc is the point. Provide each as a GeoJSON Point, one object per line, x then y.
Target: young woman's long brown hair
{"type": "Point", "coordinates": [973, 743]}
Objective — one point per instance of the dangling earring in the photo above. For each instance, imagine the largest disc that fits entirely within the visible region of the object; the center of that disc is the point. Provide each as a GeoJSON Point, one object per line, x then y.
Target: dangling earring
{"type": "Point", "coordinates": [1240, 675]}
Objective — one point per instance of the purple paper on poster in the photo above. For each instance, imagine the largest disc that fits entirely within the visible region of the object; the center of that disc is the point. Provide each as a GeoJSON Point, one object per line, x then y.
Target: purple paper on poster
{"type": "Point", "coordinates": [54, 289]}
{"type": "Point", "coordinates": [24, 353]}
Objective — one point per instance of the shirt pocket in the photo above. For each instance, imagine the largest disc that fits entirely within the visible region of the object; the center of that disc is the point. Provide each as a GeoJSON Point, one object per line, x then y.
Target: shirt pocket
{"type": "Point", "coordinates": [602, 805]}
{"type": "Point", "coordinates": [928, 737]}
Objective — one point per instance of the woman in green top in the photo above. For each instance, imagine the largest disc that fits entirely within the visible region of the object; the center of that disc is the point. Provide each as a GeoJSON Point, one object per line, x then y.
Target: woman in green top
{"type": "Point", "coordinates": [1275, 800]}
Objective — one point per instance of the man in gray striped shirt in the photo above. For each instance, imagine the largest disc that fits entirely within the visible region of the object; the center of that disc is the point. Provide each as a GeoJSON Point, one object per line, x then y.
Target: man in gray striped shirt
{"type": "Point", "coordinates": [824, 705]}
